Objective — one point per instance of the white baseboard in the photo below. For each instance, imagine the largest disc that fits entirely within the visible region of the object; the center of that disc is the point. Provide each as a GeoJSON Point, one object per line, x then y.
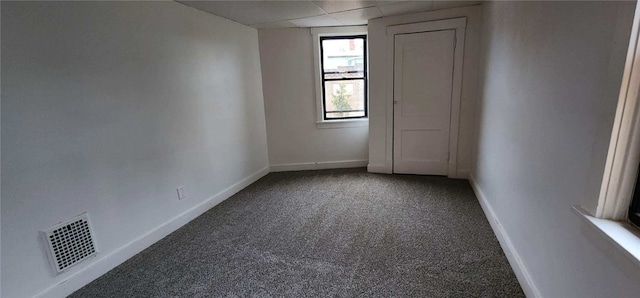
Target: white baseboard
{"type": "Point", "coordinates": [373, 168]}
{"type": "Point", "coordinates": [102, 265]}
{"type": "Point", "coordinates": [321, 165]}
{"type": "Point", "coordinates": [519, 269]}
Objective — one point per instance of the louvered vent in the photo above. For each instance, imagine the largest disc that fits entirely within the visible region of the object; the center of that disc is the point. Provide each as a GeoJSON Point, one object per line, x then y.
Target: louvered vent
{"type": "Point", "coordinates": [69, 243]}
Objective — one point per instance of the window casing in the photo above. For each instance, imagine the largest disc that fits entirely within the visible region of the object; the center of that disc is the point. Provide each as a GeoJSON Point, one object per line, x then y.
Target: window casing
{"type": "Point", "coordinates": [619, 199]}
{"type": "Point", "coordinates": [618, 186]}
{"type": "Point", "coordinates": [343, 76]}
{"type": "Point", "coordinates": [355, 87]}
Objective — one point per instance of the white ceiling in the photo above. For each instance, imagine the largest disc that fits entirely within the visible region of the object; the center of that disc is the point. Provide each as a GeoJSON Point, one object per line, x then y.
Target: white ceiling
{"type": "Point", "coordinates": [269, 14]}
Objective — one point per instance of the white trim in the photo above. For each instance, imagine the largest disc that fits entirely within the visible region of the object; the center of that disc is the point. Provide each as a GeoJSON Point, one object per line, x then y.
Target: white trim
{"type": "Point", "coordinates": [624, 237]}
{"type": "Point", "coordinates": [374, 168]}
{"type": "Point", "coordinates": [320, 165]}
{"type": "Point", "coordinates": [343, 123]}
{"type": "Point", "coordinates": [446, 24]}
{"type": "Point", "coordinates": [102, 265]}
{"type": "Point", "coordinates": [331, 31]}
{"type": "Point", "coordinates": [624, 149]}
{"type": "Point", "coordinates": [528, 287]}
{"type": "Point", "coordinates": [459, 25]}
{"type": "Point", "coordinates": [343, 30]}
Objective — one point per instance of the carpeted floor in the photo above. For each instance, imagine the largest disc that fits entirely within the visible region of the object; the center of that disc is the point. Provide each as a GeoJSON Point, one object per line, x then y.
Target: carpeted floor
{"type": "Point", "coordinates": [326, 233]}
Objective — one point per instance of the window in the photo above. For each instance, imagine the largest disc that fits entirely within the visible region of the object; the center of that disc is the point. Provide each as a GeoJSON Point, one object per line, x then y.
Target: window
{"type": "Point", "coordinates": [619, 200]}
{"type": "Point", "coordinates": [619, 195]}
{"type": "Point", "coordinates": [340, 59]}
{"type": "Point", "coordinates": [344, 76]}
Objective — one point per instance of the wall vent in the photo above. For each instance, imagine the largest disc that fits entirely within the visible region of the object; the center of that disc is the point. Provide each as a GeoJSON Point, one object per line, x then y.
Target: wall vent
{"type": "Point", "coordinates": [69, 243]}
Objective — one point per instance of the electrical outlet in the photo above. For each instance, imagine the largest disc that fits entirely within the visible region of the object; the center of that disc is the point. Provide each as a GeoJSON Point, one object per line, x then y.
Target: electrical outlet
{"type": "Point", "coordinates": [181, 193]}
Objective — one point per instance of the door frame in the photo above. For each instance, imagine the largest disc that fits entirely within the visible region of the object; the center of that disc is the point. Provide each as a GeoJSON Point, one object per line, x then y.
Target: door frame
{"type": "Point", "coordinates": [459, 25]}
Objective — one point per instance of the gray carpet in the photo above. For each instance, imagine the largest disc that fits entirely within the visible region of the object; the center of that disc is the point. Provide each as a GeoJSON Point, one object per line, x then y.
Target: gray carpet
{"type": "Point", "coordinates": [343, 233]}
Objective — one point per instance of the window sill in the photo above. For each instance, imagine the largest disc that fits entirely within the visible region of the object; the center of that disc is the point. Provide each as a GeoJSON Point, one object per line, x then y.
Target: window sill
{"type": "Point", "coordinates": [622, 235]}
{"type": "Point", "coordinates": [343, 123]}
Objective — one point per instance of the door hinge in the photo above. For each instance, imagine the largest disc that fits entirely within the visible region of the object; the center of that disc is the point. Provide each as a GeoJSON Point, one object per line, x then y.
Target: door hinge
{"type": "Point", "coordinates": [455, 42]}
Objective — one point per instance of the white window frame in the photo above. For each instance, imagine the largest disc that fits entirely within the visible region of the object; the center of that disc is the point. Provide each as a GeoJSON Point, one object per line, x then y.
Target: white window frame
{"type": "Point", "coordinates": [624, 148]}
{"type": "Point", "coordinates": [609, 218]}
{"type": "Point", "coordinates": [334, 31]}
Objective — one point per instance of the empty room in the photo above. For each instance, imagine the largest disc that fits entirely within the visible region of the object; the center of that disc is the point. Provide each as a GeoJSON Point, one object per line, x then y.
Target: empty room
{"type": "Point", "coordinates": [319, 149]}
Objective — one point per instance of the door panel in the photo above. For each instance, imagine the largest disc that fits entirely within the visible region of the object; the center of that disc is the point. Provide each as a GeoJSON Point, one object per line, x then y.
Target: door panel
{"type": "Point", "coordinates": [423, 81]}
{"type": "Point", "coordinates": [413, 144]}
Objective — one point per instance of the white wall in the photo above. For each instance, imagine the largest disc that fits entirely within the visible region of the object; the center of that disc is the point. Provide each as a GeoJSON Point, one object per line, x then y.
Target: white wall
{"type": "Point", "coordinates": [290, 102]}
{"type": "Point", "coordinates": [381, 113]}
{"type": "Point", "coordinates": [551, 79]}
{"type": "Point", "coordinates": [107, 108]}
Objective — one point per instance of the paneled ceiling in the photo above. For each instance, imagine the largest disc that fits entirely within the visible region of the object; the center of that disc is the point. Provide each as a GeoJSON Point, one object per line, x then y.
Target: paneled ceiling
{"type": "Point", "coordinates": [268, 14]}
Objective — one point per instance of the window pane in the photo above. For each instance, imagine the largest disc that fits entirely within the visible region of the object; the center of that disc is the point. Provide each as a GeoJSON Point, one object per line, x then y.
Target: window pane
{"type": "Point", "coordinates": [343, 58]}
{"type": "Point", "coordinates": [344, 98]}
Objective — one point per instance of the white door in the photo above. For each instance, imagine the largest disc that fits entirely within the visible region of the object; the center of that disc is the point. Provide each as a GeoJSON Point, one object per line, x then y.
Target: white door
{"type": "Point", "coordinates": [423, 82]}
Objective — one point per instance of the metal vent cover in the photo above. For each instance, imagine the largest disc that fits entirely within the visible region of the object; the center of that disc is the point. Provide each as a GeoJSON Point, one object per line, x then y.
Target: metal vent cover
{"type": "Point", "coordinates": [69, 243]}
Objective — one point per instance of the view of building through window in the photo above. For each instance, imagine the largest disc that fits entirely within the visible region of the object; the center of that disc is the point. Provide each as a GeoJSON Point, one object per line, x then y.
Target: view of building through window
{"type": "Point", "coordinates": [344, 77]}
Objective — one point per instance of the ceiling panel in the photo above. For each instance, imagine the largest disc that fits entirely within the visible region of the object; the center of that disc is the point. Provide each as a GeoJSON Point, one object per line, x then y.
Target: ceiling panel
{"type": "Point", "coordinates": [274, 25]}
{"type": "Point", "coordinates": [258, 12]}
{"type": "Point", "coordinates": [451, 4]}
{"type": "Point", "coordinates": [336, 6]}
{"type": "Point", "coordinates": [271, 14]}
{"type": "Point", "coordinates": [405, 7]}
{"type": "Point", "coordinates": [357, 16]}
{"type": "Point", "coordinates": [380, 3]}
{"type": "Point", "coordinates": [319, 21]}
